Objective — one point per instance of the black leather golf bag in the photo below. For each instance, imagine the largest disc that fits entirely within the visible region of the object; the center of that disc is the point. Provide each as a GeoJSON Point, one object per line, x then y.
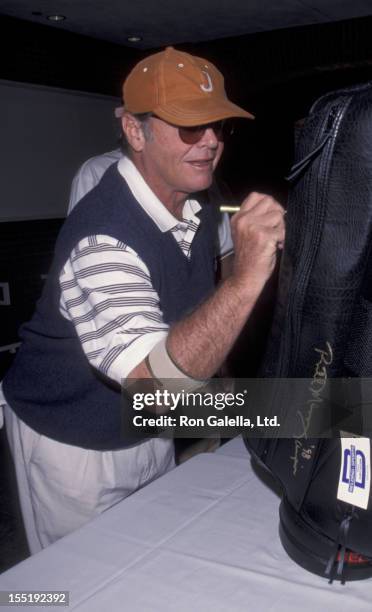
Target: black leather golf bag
{"type": "Point", "coordinates": [322, 330]}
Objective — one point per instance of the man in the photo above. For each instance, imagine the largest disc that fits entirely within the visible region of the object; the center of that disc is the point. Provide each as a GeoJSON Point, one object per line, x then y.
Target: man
{"type": "Point", "coordinates": [131, 294]}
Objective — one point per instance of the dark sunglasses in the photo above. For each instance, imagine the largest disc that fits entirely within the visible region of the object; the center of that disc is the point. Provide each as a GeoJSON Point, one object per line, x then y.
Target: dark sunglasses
{"type": "Point", "coordinates": [191, 135]}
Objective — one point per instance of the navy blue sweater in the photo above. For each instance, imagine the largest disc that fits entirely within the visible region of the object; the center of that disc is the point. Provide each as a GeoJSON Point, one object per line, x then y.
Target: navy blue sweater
{"type": "Point", "coordinates": [51, 386]}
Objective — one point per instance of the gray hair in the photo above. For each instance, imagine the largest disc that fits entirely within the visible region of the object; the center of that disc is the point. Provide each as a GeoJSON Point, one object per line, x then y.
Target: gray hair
{"type": "Point", "coordinates": [143, 119]}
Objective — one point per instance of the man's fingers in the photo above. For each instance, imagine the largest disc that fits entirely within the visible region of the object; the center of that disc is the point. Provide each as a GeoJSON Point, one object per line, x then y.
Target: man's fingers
{"type": "Point", "coordinates": [276, 235]}
{"type": "Point", "coordinates": [272, 218]}
{"type": "Point", "coordinates": [249, 220]}
{"type": "Point", "coordinates": [258, 204]}
{"type": "Point", "coordinates": [250, 201]}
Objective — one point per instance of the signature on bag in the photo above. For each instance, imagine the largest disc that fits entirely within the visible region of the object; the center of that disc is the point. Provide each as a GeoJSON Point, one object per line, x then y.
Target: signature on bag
{"type": "Point", "coordinates": [303, 450]}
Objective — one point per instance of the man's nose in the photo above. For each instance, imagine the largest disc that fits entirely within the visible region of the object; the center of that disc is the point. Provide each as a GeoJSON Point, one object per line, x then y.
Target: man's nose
{"type": "Point", "coordinates": [209, 138]}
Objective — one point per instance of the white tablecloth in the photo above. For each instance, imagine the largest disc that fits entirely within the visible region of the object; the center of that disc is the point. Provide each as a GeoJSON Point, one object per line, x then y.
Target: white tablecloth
{"type": "Point", "coordinates": [202, 538]}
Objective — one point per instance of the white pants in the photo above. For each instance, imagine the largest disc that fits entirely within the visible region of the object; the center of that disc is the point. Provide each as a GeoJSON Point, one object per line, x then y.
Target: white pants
{"type": "Point", "coordinates": [61, 487]}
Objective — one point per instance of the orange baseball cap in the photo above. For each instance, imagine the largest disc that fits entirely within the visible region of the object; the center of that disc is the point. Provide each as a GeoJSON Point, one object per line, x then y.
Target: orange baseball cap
{"type": "Point", "coordinates": [180, 88]}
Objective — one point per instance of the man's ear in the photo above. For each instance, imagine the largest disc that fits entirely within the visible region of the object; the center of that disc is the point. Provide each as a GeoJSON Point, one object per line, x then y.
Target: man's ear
{"type": "Point", "coordinates": [133, 131]}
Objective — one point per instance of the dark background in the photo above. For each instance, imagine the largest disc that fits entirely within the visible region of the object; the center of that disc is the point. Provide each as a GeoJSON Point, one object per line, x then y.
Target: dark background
{"type": "Point", "coordinates": [276, 75]}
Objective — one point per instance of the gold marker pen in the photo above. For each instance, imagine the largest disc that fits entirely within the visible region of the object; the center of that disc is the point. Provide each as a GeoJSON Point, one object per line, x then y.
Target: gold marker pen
{"type": "Point", "coordinates": [229, 209]}
{"type": "Point", "coordinates": [234, 209]}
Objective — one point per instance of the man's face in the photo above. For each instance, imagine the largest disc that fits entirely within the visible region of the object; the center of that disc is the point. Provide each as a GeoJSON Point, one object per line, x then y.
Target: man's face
{"type": "Point", "coordinates": [170, 166]}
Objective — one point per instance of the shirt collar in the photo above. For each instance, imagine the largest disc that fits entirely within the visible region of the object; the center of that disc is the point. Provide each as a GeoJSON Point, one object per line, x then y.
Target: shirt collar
{"type": "Point", "coordinates": [150, 203]}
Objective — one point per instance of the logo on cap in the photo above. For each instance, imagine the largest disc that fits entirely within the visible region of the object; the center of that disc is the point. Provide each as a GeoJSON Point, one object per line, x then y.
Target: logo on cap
{"type": "Point", "coordinates": [209, 86]}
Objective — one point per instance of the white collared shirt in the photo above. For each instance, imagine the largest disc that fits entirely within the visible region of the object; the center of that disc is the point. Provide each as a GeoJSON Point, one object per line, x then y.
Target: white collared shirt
{"type": "Point", "coordinates": [149, 201]}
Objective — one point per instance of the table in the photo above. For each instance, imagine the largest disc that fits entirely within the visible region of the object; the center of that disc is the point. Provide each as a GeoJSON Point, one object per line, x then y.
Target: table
{"type": "Point", "coordinates": [202, 538]}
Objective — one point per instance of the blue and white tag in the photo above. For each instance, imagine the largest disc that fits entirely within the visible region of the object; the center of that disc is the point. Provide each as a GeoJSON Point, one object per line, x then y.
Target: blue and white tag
{"type": "Point", "coordinates": [355, 475]}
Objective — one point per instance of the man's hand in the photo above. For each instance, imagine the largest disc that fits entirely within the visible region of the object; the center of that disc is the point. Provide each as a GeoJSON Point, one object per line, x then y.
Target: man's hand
{"type": "Point", "coordinates": [258, 231]}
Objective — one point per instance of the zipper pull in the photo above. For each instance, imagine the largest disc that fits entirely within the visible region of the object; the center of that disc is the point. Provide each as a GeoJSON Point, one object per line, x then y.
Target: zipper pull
{"type": "Point", "coordinates": [306, 161]}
